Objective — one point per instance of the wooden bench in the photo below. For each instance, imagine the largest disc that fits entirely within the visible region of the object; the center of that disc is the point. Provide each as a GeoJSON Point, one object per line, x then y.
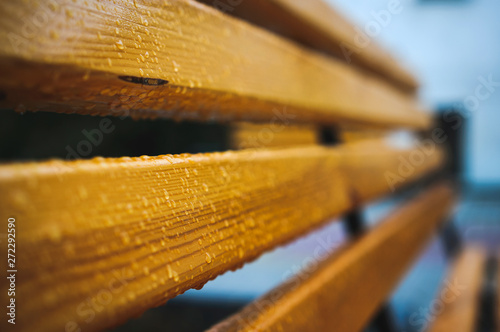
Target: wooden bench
{"type": "Point", "coordinates": [102, 240]}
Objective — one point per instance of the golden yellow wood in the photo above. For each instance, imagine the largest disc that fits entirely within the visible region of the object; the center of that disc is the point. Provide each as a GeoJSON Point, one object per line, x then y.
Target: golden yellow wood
{"type": "Point", "coordinates": [317, 25]}
{"type": "Point", "coordinates": [461, 292]}
{"type": "Point", "coordinates": [179, 59]}
{"type": "Point", "coordinates": [349, 134]}
{"type": "Point", "coordinates": [344, 291]}
{"type": "Point", "coordinates": [251, 136]}
{"type": "Point", "coordinates": [161, 225]}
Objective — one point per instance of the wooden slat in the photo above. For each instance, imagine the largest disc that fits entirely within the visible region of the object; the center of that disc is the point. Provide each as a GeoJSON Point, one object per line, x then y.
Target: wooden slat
{"type": "Point", "coordinates": [316, 24]}
{"type": "Point", "coordinates": [171, 223]}
{"type": "Point", "coordinates": [344, 291]}
{"type": "Point", "coordinates": [355, 134]}
{"type": "Point", "coordinates": [217, 67]}
{"type": "Point", "coordinates": [461, 293]}
{"type": "Point", "coordinates": [253, 135]}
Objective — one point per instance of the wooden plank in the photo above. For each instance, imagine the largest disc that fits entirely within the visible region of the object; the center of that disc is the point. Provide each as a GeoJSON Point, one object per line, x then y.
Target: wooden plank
{"type": "Point", "coordinates": [179, 59]}
{"type": "Point", "coordinates": [343, 292]}
{"type": "Point", "coordinates": [317, 25]}
{"type": "Point", "coordinates": [254, 135]}
{"type": "Point", "coordinates": [166, 224]}
{"type": "Point", "coordinates": [461, 292]}
{"type": "Point", "coordinates": [357, 134]}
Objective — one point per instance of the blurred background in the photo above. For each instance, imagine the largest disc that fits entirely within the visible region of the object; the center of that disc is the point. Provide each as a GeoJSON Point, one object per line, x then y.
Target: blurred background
{"type": "Point", "coordinates": [452, 46]}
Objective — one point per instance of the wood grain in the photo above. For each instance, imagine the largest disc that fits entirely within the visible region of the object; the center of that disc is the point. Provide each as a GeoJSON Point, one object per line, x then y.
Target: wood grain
{"type": "Point", "coordinates": [344, 291]}
{"type": "Point", "coordinates": [142, 230]}
{"type": "Point", "coordinates": [179, 59]}
{"type": "Point", "coordinates": [315, 24]}
{"type": "Point", "coordinates": [461, 292]}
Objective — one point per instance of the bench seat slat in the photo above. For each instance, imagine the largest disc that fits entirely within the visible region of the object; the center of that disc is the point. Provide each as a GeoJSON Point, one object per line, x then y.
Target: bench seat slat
{"type": "Point", "coordinates": [174, 222]}
{"type": "Point", "coordinates": [315, 24]}
{"type": "Point", "coordinates": [250, 135]}
{"type": "Point", "coordinates": [184, 60]}
{"type": "Point", "coordinates": [461, 292]}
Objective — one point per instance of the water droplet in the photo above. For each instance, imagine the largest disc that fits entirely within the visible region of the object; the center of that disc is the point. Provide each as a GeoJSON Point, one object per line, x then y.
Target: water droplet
{"type": "Point", "coordinates": [119, 45]}
{"type": "Point", "coordinates": [250, 222]}
{"type": "Point", "coordinates": [176, 66]}
{"type": "Point", "coordinates": [170, 272]}
{"type": "Point", "coordinates": [53, 6]}
{"type": "Point", "coordinates": [54, 34]}
{"type": "Point", "coordinates": [125, 238]}
{"type": "Point", "coordinates": [208, 258]}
